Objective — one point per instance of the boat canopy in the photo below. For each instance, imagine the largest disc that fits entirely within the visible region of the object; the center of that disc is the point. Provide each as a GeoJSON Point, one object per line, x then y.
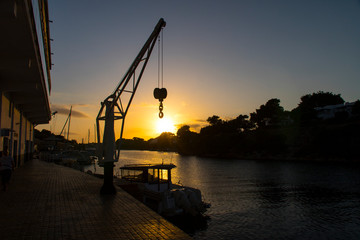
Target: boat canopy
{"type": "Point", "coordinates": [148, 173]}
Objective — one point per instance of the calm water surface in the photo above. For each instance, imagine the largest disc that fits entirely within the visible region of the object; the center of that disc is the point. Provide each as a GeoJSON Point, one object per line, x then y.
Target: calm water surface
{"type": "Point", "coordinates": [267, 200]}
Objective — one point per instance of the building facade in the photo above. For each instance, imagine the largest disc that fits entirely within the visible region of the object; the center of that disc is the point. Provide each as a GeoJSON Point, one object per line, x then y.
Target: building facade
{"type": "Point", "coordinates": [25, 81]}
{"type": "Point", "coordinates": [330, 111]}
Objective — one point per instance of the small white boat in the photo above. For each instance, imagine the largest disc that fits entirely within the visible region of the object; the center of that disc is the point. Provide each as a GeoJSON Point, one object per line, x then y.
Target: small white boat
{"type": "Point", "coordinates": [151, 184]}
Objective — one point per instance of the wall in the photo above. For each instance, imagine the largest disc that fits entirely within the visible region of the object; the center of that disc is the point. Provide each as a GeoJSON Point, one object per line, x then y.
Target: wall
{"type": "Point", "coordinates": [16, 132]}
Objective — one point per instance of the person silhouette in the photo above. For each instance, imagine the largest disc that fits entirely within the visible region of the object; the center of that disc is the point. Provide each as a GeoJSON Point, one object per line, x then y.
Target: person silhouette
{"type": "Point", "coordinates": [6, 167]}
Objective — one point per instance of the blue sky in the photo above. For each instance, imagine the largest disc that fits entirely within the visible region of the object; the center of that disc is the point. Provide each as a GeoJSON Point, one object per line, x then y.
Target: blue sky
{"type": "Point", "coordinates": [220, 57]}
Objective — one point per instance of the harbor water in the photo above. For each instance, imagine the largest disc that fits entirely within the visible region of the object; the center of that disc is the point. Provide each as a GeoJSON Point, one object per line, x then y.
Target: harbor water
{"type": "Point", "coordinates": [267, 199]}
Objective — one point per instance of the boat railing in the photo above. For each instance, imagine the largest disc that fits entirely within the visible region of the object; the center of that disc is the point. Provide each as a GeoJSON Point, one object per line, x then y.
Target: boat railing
{"type": "Point", "coordinates": [138, 165]}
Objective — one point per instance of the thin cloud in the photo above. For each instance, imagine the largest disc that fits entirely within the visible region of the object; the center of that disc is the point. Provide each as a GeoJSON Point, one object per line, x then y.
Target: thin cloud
{"type": "Point", "coordinates": [65, 110]}
{"type": "Point", "coordinates": [201, 121]}
{"type": "Point", "coordinates": [82, 105]}
{"type": "Point", "coordinates": [79, 114]}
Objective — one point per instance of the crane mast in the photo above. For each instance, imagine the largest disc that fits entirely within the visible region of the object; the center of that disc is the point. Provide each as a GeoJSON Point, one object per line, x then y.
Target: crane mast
{"type": "Point", "coordinates": [116, 107]}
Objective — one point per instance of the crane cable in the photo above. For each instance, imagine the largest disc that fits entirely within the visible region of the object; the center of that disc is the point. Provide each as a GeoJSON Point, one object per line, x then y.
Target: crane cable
{"type": "Point", "coordinates": [160, 92]}
{"type": "Point", "coordinates": [161, 60]}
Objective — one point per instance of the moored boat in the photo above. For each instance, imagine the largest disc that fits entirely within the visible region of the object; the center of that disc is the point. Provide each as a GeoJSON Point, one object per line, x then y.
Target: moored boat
{"type": "Point", "coordinates": [152, 185]}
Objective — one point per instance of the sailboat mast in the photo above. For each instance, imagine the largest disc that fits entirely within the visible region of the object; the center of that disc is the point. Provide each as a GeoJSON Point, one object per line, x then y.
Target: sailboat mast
{"type": "Point", "coordinates": [67, 138]}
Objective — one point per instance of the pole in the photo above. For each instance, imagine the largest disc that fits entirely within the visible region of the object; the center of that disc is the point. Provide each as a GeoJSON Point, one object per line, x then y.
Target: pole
{"type": "Point", "coordinates": [67, 138]}
{"type": "Point", "coordinates": [94, 133]}
{"type": "Point", "coordinates": [108, 150]}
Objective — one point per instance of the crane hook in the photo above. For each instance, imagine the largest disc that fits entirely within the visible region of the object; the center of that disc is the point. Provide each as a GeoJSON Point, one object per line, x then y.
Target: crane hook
{"type": "Point", "coordinates": [161, 107]}
{"type": "Point", "coordinates": [161, 94]}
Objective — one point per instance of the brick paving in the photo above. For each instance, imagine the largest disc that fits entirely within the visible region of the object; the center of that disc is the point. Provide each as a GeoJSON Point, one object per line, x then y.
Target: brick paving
{"type": "Point", "coordinates": [48, 201]}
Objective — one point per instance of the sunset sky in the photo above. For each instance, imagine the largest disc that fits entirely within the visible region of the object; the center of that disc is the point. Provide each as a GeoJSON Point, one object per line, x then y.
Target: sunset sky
{"type": "Point", "coordinates": [221, 58]}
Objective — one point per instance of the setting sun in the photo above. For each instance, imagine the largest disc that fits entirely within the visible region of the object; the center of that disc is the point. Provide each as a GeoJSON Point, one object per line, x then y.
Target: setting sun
{"type": "Point", "coordinates": [165, 124]}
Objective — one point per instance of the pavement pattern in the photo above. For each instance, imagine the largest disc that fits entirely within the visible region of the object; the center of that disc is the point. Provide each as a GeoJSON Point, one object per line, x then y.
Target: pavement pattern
{"type": "Point", "coordinates": [48, 201]}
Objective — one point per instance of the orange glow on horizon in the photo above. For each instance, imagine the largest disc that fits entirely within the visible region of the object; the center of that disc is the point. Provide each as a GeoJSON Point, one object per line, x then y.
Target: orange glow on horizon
{"type": "Point", "coordinates": [165, 124]}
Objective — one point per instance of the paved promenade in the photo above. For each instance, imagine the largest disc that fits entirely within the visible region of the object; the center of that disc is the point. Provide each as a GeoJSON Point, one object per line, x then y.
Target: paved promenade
{"type": "Point", "coordinates": [47, 201]}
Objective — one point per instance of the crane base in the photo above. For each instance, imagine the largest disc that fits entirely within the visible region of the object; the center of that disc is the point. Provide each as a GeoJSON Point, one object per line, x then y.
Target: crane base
{"type": "Point", "coordinates": [108, 186]}
{"type": "Point", "coordinates": [108, 190]}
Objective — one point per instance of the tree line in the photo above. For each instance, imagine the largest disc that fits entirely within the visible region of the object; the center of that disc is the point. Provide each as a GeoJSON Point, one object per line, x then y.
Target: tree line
{"type": "Point", "coordinates": [270, 132]}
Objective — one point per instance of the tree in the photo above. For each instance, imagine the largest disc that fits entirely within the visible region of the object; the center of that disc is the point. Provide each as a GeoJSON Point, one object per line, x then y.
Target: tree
{"type": "Point", "coordinates": [214, 120]}
{"type": "Point", "coordinates": [269, 114]}
{"type": "Point", "coordinates": [187, 140]}
{"type": "Point", "coordinates": [43, 134]}
{"type": "Point", "coordinates": [241, 124]}
{"type": "Point", "coordinates": [320, 99]}
{"type": "Point", "coordinates": [135, 143]}
{"type": "Point", "coordinates": [306, 112]}
{"type": "Point", "coordinates": [356, 108]}
{"type": "Point", "coordinates": [183, 131]}
{"type": "Point", "coordinates": [166, 141]}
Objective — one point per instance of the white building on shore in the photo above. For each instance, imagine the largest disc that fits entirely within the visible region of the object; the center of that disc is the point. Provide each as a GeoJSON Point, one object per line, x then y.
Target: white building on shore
{"type": "Point", "coordinates": [329, 111]}
{"type": "Point", "coordinates": [25, 83]}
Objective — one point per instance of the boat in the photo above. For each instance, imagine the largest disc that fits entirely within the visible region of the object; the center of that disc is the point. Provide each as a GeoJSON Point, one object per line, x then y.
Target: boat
{"type": "Point", "coordinates": [80, 157]}
{"type": "Point", "coordinates": [152, 185]}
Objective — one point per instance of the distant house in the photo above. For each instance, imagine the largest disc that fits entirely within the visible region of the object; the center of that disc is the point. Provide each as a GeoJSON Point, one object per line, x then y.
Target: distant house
{"type": "Point", "coordinates": [25, 82]}
{"type": "Point", "coordinates": [330, 111]}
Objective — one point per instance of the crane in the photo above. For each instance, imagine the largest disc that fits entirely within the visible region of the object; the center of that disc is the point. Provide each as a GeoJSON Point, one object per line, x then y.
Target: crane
{"type": "Point", "coordinates": [116, 106]}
